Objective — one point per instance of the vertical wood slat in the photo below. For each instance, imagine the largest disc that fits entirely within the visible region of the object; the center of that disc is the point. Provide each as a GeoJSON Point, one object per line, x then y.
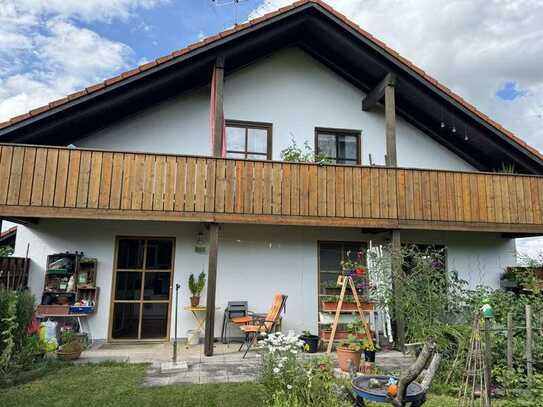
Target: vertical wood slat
{"type": "Point", "coordinates": [95, 179]}
{"type": "Point", "coordinates": [392, 194]}
{"type": "Point", "coordinates": [200, 189]}
{"type": "Point", "coordinates": [240, 193]}
{"type": "Point", "coordinates": [5, 169]}
{"type": "Point", "coordinates": [50, 177]}
{"type": "Point", "coordinates": [220, 185]}
{"type": "Point", "coordinates": [295, 190]}
{"type": "Point", "coordinates": [521, 203]}
{"type": "Point", "coordinates": [129, 175]}
{"type": "Point", "coordinates": [27, 176]}
{"type": "Point", "coordinates": [402, 204]}
{"type": "Point", "coordinates": [160, 168]}
{"type": "Point", "coordinates": [267, 189]}
{"type": "Point", "coordinates": [536, 203]}
{"type": "Point", "coordinates": [73, 178]}
{"type": "Point", "coordinates": [314, 195]}
{"type": "Point", "coordinates": [61, 178]}
{"type": "Point", "coordinates": [230, 187]}
{"type": "Point", "coordinates": [321, 192]}
{"type": "Point", "coordinates": [190, 185]}
{"type": "Point", "coordinates": [116, 180]}
{"type": "Point", "coordinates": [383, 193]}
{"type": "Point", "coordinates": [210, 185]}
{"type": "Point", "coordinates": [276, 193]}
{"type": "Point", "coordinates": [426, 197]}
{"type": "Point", "coordinates": [339, 181]}
{"type": "Point", "coordinates": [181, 184]}
{"type": "Point", "coordinates": [15, 175]}
{"type": "Point", "coordinates": [105, 180]}
{"type": "Point", "coordinates": [366, 192]}
{"type": "Point", "coordinates": [148, 182]}
{"type": "Point", "coordinates": [348, 188]}
{"type": "Point", "coordinates": [357, 192]}
{"type": "Point", "coordinates": [529, 201]}
{"type": "Point", "coordinates": [258, 188]}
{"type": "Point", "coordinates": [330, 191]}
{"type": "Point", "coordinates": [248, 187]}
{"type": "Point", "coordinates": [375, 202]}
{"type": "Point", "coordinates": [286, 189]}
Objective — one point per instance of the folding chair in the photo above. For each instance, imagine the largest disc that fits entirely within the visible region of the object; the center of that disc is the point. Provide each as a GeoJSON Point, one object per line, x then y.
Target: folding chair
{"type": "Point", "coordinates": [234, 309]}
{"type": "Point", "coordinates": [254, 325]}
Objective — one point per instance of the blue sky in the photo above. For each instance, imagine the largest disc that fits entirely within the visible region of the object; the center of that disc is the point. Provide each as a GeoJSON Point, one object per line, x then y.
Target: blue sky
{"type": "Point", "coordinates": [155, 32]}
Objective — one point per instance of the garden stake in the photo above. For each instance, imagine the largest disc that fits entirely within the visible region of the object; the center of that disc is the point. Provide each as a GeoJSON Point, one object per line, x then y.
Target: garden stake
{"type": "Point", "coordinates": [177, 286]}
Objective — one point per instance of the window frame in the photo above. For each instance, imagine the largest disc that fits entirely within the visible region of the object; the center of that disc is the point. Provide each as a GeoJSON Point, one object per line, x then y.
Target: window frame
{"type": "Point", "coordinates": [336, 132]}
{"type": "Point", "coordinates": [243, 124]}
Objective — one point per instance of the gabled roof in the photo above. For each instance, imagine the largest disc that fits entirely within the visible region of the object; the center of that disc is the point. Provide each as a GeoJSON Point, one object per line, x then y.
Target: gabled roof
{"type": "Point", "coordinates": [223, 37]}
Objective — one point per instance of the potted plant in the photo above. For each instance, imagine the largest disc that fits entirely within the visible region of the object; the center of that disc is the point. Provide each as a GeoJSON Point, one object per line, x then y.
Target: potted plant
{"type": "Point", "coordinates": [369, 350]}
{"type": "Point", "coordinates": [71, 347]}
{"type": "Point", "coordinates": [349, 353]}
{"type": "Point", "coordinates": [196, 287]}
{"type": "Point", "coordinates": [311, 342]}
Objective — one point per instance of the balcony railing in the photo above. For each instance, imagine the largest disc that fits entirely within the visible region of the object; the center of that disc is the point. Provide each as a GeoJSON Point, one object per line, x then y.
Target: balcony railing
{"type": "Point", "coordinates": [54, 182]}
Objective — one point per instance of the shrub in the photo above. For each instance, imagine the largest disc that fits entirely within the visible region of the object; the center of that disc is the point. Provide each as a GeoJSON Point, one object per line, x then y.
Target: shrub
{"type": "Point", "coordinates": [16, 310]}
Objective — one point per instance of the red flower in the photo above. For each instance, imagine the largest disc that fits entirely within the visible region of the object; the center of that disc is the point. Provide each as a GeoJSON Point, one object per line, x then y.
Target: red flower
{"type": "Point", "coordinates": [360, 271]}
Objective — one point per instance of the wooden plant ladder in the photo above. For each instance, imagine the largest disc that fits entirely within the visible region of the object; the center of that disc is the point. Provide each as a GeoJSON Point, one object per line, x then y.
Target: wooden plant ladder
{"type": "Point", "coordinates": [348, 281]}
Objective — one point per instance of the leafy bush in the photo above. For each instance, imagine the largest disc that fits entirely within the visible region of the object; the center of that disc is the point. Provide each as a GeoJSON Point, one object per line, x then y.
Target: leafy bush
{"type": "Point", "coordinates": [16, 347]}
{"type": "Point", "coordinates": [294, 153]}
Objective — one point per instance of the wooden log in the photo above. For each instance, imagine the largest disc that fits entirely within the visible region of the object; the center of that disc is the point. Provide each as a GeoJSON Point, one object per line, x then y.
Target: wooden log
{"type": "Point", "coordinates": [431, 372]}
{"type": "Point", "coordinates": [413, 372]}
{"type": "Point", "coordinates": [396, 274]}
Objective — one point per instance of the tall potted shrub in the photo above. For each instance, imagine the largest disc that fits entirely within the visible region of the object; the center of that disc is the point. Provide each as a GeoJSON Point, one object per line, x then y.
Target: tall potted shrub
{"type": "Point", "coordinates": [196, 286]}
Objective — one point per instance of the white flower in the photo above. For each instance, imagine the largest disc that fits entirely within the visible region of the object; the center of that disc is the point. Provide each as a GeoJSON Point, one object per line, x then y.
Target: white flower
{"type": "Point", "coordinates": [280, 365]}
{"type": "Point", "coordinates": [275, 370]}
{"type": "Point", "coordinates": [289, 387]}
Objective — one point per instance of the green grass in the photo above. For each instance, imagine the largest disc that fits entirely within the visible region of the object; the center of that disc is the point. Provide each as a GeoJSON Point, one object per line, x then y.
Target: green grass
{"type": "Point", "coordinates": [120, 385]}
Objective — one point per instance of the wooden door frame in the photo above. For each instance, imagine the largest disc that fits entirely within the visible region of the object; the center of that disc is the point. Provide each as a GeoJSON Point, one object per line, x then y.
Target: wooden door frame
{"type": "Point", "coordinates": [110, 339]}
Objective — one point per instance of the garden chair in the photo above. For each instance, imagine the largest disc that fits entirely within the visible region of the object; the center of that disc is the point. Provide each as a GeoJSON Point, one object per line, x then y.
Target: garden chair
{"type": "Point", "coordinates": [255, 326]}
{"type": "Point", "coordinates": [234, 309]}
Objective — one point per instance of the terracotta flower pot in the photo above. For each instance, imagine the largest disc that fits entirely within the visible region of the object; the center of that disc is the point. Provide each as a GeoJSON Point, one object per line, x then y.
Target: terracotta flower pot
{"type": "Point", "coordinates": [347, 357]}
{"type": "Point", "coordinates": [68, 355]}
{"type": "Point", "coordinates": [194, 301]}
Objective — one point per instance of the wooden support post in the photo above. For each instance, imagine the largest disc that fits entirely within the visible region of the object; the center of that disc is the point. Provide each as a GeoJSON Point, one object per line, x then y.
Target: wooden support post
{"type": "Point", "coordinates": [219, 111]}
{"type": "Point", "coordinates": [211, 288]}
{"type": "Point", "coordinates": [396, 273]}
{"type": "Point", "coordinates": [510, 340]}
{"type": "Point", "coordinates": [488, 363]}
{"type": "Point", "coordinates": [390, 126]}
{"type": "Point", "coordinates": [529, 343]}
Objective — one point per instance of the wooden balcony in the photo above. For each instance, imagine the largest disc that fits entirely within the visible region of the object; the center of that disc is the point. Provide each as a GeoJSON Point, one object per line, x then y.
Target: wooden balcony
{"type": "Point", "coordinates": [53, 182]}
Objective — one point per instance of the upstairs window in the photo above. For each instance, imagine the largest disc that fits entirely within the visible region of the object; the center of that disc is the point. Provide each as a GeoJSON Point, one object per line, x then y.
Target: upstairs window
{"type": "Point", "coordinates": [338, 145]}
{"type": "Point", "coordinates": [248, 140]}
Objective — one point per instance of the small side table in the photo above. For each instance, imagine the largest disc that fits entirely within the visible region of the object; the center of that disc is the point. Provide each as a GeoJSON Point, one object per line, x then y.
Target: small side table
{"type": "Point", "coordinates": [199, 314]}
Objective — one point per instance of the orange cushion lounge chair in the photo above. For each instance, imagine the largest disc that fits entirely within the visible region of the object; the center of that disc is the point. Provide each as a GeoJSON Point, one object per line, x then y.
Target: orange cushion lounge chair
{"type": "Point", "coordinates": [254, 325]}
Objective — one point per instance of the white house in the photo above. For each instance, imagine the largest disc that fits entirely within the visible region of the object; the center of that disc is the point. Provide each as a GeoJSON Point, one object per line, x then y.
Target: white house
{"type": "Point", "coordinates": [408, 155]}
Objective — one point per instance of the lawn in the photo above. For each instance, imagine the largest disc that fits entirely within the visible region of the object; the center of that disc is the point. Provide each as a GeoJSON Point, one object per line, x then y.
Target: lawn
{"type": "Point", "coordinates": [120, 385]}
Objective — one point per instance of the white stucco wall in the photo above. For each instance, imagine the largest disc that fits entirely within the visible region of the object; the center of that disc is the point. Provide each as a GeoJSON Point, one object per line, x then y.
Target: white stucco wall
{"type": "Point", "coordinates": [292, 91]}
{"type": "Point", "coordinates": [255, 262]}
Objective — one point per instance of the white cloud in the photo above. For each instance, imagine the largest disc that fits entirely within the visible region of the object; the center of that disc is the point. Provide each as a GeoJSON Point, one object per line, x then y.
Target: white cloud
{"type": "Point", "coordinates": [472, 46]}
{"type": "Point", "coordinates": [45, 54]}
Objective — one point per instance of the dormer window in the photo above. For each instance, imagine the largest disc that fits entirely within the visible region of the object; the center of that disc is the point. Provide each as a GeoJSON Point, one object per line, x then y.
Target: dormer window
{"type": "Point", "coordinates": [248, 140]}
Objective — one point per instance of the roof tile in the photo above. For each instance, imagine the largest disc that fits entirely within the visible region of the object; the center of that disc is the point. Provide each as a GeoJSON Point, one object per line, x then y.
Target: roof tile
{"type": "Point", "coordinates": [96, 87]}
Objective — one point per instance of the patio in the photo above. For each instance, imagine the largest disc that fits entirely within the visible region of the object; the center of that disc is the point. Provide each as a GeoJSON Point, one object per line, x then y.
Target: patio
{"type": "Point", "coordinates": [225, 366]}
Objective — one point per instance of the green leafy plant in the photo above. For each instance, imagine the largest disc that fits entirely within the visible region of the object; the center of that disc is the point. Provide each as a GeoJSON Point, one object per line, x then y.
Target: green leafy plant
{"type": "Point", "coordinates": [352, 343]}
{"type": "Point", "coordinates": [196, 286]}
{"type": "Point", "coordinates": [70, 343]}
{"type": "Point", "coordinates": [6, 251]}
{"type": "Point", "coordinates": [294, 153]}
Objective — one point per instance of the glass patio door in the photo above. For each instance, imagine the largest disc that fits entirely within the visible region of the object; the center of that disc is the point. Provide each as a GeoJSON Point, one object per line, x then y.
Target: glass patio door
{"type": "Point", "coordinates": [142, 288]}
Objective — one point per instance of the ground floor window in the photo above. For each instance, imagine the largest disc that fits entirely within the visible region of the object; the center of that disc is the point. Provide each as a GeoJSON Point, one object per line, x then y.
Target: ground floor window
{"type": "Point", "coordinates": [142, 280]}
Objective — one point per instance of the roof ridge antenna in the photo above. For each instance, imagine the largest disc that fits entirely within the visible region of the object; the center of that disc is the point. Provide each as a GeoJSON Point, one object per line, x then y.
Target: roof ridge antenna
{"type": "Point", "coordinates": [235, 3]}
